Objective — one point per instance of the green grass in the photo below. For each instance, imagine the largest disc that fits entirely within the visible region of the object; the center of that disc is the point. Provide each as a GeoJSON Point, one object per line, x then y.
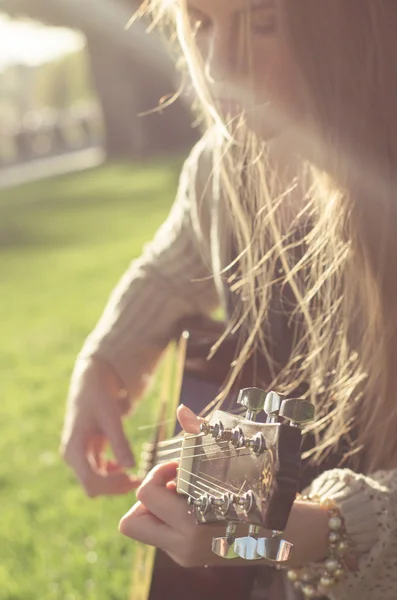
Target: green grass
{"type": "Point", "coordinates": [63, 245]}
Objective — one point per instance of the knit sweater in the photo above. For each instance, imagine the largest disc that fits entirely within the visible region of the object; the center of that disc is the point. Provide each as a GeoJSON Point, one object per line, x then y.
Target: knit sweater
{"type": "Point", "coordinates": [176, 277]}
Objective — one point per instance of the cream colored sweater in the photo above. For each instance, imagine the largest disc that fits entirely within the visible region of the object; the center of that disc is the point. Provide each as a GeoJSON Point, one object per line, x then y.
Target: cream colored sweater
{"type": "Point", "coordinates": [174, 279]}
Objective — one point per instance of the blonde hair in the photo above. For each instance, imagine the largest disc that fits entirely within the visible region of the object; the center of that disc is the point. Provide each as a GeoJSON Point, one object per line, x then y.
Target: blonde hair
{"type": "Point", "coordinates": [344, 283]}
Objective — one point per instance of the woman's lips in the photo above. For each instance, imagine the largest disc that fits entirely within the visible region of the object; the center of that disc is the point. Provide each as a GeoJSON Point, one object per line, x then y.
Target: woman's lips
{"type": "Point", "coordinates": [229, 107]}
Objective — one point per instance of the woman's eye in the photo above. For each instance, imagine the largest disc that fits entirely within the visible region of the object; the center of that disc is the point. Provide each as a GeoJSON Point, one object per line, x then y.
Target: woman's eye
{"type": "Point", "coordinates": [198, 21]}
{"type": "Point", "coordinates": [263, 25]}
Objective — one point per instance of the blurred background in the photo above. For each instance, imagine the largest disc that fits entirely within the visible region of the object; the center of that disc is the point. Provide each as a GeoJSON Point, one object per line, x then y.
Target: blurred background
{"type": "Point", "coordinates": [85, 180]}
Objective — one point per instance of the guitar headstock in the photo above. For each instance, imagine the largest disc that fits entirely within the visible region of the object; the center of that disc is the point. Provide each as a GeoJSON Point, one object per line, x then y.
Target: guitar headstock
{"type": "Point", "coordinates": [239, 470]}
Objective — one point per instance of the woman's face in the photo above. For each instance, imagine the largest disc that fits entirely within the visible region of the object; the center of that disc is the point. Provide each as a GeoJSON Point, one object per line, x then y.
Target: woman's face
{"type": "Point", "coordinates": [248, 64]}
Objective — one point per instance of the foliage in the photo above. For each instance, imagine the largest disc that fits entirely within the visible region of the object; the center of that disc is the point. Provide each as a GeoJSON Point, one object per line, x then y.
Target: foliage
{"type": "Point", "coordinates": [63, 82]}
{"type": "Point", "coordinates": [63, 245]}
{"type": "Point", "coordinates": [131, 72]}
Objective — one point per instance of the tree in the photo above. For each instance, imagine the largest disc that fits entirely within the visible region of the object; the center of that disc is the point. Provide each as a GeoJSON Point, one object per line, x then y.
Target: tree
{"type": "Point", "coordinates": [64, 82]}
{"type": "Point", "coordinates": [131, 72]}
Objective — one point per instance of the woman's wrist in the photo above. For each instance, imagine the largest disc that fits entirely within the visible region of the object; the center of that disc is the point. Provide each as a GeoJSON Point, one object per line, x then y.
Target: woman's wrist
{"type": "Point", "coordinates": [307, 529]}
{"type": "Point", "coordinates": [314, 575]}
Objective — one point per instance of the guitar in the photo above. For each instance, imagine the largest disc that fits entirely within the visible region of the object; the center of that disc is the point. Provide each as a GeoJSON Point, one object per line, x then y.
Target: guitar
{"type": "Point", "coordinates": [239, 470]}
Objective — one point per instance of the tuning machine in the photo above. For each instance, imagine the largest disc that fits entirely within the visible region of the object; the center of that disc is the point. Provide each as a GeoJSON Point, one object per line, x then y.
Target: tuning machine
{"type": "Point", "coordinates": [274, 549]}
{"type": "Point", "coordinates": [232, 547]}
{"type": "Point", "coordinates": [272, 406]}
{"type": "Point", "coordinates": [202, 503]}
{"type": "Point", "coordinates": [229, 546]}
{"type": "Point", "coordinates": [253, 399]}
{"type": "Point", "coordinates": [223, 503]}
{"type": "Point", "coordinates": [246, 502]}
{"type": "Point", "coordinates": [247, 547]}
{"type": "Point", "coordinates": [235, 436]}
{"type": "Point", "coordinates": [217, 430]}
{"type": "Point", "coordinates": [296, 411]}
{"type": "Point", "coordinates": [224, 546]}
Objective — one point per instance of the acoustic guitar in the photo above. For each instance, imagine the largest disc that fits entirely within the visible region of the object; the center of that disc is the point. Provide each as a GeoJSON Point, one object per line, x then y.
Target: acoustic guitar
{"type": "Point", "coordinates": [241, 470]}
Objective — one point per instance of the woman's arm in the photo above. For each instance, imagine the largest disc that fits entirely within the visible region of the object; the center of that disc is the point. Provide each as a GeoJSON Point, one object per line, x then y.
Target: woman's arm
{"type": "Point", "coordinates": [368, 505]}
{"type": "Point", "coordinates": [171, 280]}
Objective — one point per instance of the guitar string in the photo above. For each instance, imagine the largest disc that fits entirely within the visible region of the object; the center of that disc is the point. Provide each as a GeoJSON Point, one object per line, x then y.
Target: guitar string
{"type": "Point", "coordinates": [195, 486]}
{"type": "Point", "coordinates": [218, 480]}
{"type": "Point", "coordinates": [212, 487]}
{"type": "Point", "coordinates": [193, 446]}
{"type": "Point", "coordinates": [155, 425]}
{"type": "Point", "coordinates": [198, 477]}
{"type": "Point", "coordinates": [191, 484]}
{"type": "Point", "coordinates": [163, 452]}
{"type": "Point", "coordinates": [204, 489]}
{"type": "Point", "coordinates": [179, 440]}
{"type": "Point", "coordinates": [221, 457]}
{"type": "Point", "coordinates": [225, 454]}
{"type": "Point", "coordinates": [152, 448]}
{"type": "Point", "coordinates": [166, 443]}
{"type": "Point", "coordinates": [206, 445]}
{"type": "Point", "coordinates": [206, 480]}
{"type": "Point", "coordinates": [178, 456]}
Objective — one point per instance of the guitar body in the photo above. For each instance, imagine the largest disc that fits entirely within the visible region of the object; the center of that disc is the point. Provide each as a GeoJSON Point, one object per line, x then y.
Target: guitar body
{"type": "Point", "coordinates": [198, 382]}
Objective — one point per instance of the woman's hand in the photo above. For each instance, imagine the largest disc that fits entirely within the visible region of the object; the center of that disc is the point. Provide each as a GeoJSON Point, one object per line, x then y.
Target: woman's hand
{"type": "Point", "coordinates": [160, 518]}
{"type": "Point", "coordinates": [94, 419]}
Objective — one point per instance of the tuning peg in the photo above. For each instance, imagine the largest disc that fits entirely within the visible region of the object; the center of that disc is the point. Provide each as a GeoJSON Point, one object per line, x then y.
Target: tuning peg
{"type": "Point", "coordinates": [272, 406]}
{"type": "Point", "coordinates": [257, 443]}
{"type": "Point", "coordinates": [202, 503]}
{"type": "Point", "coordinates": [297, 411]}
{"type": "Point", "coordinates": [246, 501]}
{"type": "Point", "coordinates": [224, 503]}
{"type": "Point", "coordinates": [224, 546]}
{"type": "Point", "coordinates": [253, 399]}
{"type": "Point", "coordinates": [237, 437]}
{"type": "Point", "coordinates": [274, 549]}
{"type": "Point", "coordinates": [246, 547]}
{"type": "Point", "coordinates": [217, 430]}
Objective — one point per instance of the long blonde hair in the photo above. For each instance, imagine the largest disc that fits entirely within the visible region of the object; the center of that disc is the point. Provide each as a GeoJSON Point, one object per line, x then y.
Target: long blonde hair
{"type": "Point", "coordinates": [345, 281]}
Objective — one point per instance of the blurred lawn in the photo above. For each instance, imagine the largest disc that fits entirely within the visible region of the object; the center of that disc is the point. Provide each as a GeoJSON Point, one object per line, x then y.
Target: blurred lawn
{"type": "Point", "coordinates": [63, 245]}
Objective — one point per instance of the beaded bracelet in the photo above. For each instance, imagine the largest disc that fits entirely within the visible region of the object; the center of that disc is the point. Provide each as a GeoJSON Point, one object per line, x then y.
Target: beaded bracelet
{"type": "Point", "coordinates": [314, 585]}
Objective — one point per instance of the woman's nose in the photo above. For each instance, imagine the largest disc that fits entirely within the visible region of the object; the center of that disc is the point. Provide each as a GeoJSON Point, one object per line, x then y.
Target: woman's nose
{"type": "Point", "coordinates": [222, 58]}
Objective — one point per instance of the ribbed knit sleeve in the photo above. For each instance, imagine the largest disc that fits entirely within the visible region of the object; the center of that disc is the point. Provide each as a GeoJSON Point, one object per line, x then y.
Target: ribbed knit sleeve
{"type": "Point", "coordinates": [369, 507]}
{"type": "Point", "coordinates": [171, 280]}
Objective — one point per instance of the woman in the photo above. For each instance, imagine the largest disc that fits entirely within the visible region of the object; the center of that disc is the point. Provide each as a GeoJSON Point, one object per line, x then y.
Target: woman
{"type": "Point", "coordinates": [286, 207]}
